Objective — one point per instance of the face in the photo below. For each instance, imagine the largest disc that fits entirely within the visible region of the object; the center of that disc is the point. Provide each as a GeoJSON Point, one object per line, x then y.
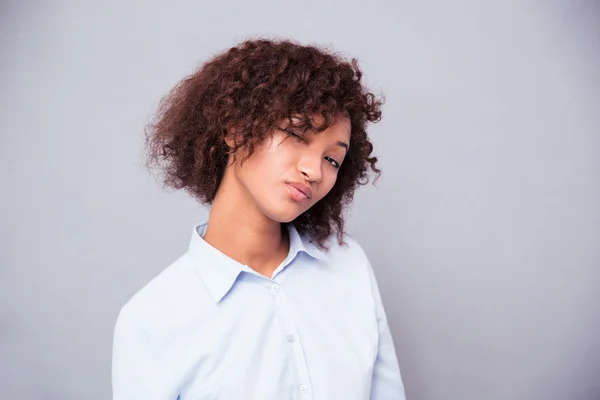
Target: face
{"type": "Point", "coordinates": [293, 169]}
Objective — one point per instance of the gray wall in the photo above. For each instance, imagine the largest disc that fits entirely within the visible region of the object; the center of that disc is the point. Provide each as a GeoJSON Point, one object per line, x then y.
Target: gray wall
{"type": "Point", "coordinates": [484, 229]}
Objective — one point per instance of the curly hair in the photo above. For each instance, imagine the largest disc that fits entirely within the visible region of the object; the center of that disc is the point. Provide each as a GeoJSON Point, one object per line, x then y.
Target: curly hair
{"type": "Point", "coordinates": [252, 87]}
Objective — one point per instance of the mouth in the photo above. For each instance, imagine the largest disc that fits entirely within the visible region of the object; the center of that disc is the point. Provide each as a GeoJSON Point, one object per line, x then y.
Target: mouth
{"type": "Point", "coordinates": [299, 191]}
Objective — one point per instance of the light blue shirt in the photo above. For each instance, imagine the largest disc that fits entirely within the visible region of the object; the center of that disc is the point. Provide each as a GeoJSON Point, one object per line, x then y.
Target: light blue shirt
{"type": "Point", "coordinates": [208, 327]}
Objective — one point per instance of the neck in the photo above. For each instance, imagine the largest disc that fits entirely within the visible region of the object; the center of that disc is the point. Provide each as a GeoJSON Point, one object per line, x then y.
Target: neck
{"type": "Point", "coordinates": [237, 228]}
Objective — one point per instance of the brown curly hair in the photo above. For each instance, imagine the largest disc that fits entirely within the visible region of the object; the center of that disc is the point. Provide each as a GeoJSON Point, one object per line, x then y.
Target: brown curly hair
{"type": "Point", "coordinates": [252, 87]}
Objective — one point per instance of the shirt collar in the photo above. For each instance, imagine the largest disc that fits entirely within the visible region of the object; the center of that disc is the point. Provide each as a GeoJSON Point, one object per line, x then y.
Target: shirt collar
{"type": "Point", "coordinates": [300, 243]}
{"type": "Point", "coordinates": [220, 272]}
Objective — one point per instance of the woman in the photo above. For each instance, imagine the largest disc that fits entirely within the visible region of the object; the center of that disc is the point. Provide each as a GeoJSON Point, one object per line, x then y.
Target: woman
{"type": "Point", "coordinates": [272, 300]}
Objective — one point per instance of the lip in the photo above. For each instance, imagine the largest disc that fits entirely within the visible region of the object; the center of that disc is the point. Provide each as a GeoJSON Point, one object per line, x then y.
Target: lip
{"type": "Point", "coordinates": [305, 189]}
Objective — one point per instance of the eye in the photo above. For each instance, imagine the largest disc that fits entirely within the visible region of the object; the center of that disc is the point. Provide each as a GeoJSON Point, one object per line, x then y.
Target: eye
{"type": "Point", "coordinates": [333, 162]}
{"type": "Point", "coordinates": [296, 136]}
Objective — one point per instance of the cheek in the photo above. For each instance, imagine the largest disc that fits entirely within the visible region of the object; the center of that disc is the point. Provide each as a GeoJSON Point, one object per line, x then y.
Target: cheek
{"type": "Point", "coordinates": [327, 184]}
{"type": "Point", "coordinates": [262, 170]}
{"type": "Point", "coordinates": [256, 174]}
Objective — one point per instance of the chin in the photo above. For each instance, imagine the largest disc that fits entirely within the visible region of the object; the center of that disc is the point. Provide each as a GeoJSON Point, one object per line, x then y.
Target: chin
{"type": "Point", "coordinates": [284, 214]}
{"type": "Point", "coordinates": [284, 218]}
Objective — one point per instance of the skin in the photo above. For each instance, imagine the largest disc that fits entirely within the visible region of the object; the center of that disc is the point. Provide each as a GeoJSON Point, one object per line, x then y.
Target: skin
{"type": "Point", "coordinates": [254, 199]}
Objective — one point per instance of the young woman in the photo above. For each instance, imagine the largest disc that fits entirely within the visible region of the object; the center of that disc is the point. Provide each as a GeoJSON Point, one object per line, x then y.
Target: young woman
{"type": "Point", "coordinates": [272, 300]}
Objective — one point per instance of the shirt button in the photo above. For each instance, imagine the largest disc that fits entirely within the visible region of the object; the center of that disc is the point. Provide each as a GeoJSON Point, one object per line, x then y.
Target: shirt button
{"type": "Point", "coordinates": [291, 338]}
{"type": "Point", "coordinates": [275, 288]}
{"type": "Point", "coordinates": [303, 389]}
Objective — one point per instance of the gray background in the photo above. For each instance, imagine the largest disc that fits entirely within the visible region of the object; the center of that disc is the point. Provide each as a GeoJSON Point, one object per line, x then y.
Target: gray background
{"type": "Point", "coordinates": [484, 229]}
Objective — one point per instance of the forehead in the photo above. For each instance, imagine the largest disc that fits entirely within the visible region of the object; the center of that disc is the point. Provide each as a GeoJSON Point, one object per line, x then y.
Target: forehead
{"type": "Point", "coordinates": [340, 129]}
{"type": "Point", "coordinates": [339, 125]}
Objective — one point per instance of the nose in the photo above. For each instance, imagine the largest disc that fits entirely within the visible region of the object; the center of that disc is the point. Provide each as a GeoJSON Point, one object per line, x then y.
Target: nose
{"type": "Point", "coordinates": [309, 166]}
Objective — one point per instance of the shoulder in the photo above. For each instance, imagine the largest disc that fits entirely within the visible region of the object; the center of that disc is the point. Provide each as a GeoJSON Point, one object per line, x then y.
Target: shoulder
{"type": "Point", "coordinates": [347, 262]}
{"type": "Point", "coordinates": [350, 249]}
{"type": "Point", "coordinates": [171, 299]}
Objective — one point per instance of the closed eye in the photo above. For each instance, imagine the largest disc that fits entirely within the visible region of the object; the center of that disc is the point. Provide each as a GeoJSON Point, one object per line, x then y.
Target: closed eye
{"type": "Point", "coordinates": [296, 135]}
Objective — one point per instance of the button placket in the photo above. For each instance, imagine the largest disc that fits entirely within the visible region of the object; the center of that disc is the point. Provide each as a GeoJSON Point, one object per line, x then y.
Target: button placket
{"type": "Point", "coordinates": [285, 313]}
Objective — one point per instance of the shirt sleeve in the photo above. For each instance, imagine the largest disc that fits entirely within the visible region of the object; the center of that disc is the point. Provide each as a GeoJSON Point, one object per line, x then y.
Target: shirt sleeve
{"type": "Point", "coordinates": [387, 381]}
{"type": "Point", "coordinates": [137, 371]}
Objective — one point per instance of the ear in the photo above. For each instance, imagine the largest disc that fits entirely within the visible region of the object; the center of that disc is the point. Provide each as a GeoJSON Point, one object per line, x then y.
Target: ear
{"type": "Point", "coordinates": [230, 136]}
{"type": "Point", "coordinates": [229, 141]}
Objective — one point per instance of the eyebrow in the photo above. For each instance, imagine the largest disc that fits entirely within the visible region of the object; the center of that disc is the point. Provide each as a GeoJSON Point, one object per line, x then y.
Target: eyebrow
{"type": "Point", "coordinates": [342, 144]}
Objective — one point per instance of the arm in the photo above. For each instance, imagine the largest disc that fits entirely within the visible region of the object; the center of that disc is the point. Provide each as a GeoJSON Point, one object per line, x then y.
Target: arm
{"type": "Point", "coordinates": [137, 369]}
{"type": "Point", "coordinates": [387, 382]}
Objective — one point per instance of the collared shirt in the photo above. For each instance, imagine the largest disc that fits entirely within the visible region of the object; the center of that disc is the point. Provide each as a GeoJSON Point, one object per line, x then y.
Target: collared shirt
{"type": "Point", "coordinates": [208, 327]}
